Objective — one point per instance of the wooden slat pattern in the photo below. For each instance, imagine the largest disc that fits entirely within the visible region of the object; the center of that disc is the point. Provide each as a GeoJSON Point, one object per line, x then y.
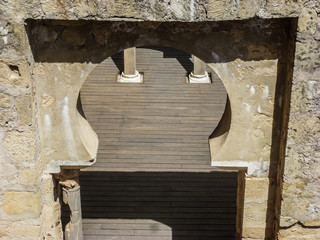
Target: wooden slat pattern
{"type": "Point", "coordinates": [163, 123]}
{"type": "Point", "coordinates": [152, 179]}
{"type": "Point", "coordinates": [159, 205]}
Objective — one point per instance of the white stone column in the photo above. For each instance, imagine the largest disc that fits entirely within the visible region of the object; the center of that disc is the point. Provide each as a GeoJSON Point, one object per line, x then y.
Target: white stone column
{"type": "Point", "coordinates": [130, 73]}
{"type": "Point", "coordinates": [199, 73]}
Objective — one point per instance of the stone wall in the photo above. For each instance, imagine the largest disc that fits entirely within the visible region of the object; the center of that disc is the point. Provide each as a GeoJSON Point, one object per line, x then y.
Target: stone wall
{"type": "Point", "coordinates": [20, 195]}
{"type": "Point", "coordinates": [301, 199]}
{"type": "Point", "coordinates": [29, 206]}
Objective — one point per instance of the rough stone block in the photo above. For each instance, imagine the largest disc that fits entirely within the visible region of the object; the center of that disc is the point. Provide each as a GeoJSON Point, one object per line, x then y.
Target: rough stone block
{"type": "Point", "coordinates": [21, 146]}
{"type": "Point", "coordinates": [24, 109]}
{"type": "Point", "coordinates": [27, 232]}
{"type": "Point", "coordinates": [255, 208]}
{"type": "Point", "coordinates": [28, 176]}
{"type": "Point", "coordinates": [297, 232]}
{"type": "Point", "coordinates": [254, 216]}
{"type": "Point", "coordinates": [5, 101]}
{"type": "Point", "coordinates": [256, 190]}
{"type": "Point", "coordinates": [253, 233]}
{"type": "Point", "coordinates": [21, 202]}
{"type": "Point", "coordinates": [307, 20]}
{"type": "Point", "coordinates": [17, 74]}
{"type": "Point", "coordinates": [6, 117]}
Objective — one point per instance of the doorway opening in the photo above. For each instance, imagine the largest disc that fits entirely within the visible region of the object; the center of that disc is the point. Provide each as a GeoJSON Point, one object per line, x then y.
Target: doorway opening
{"type": "Point", "coordinates": [153, 178]}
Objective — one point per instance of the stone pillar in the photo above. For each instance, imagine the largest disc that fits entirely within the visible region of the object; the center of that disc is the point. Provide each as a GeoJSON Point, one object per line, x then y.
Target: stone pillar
{"type": "Point", "coordinates": [240, 203]}
{"type": "Point", "coordinates": [69, 180]}
{"type": "Point", "coordinates": [130, 61]}
{"type": "Point", "coordinates": [255, 208]}
{"type": "Point", "coordinates": [199, 74]}
{"type": "Point", "coordinates": [130, 73]}
{"type": "Point", "coordinates": [74, 227]}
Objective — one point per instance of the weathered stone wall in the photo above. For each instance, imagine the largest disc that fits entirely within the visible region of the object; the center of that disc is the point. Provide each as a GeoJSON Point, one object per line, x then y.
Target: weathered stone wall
{"type": "Point", "coordinates": [20, 194]}
{"type": "Point", "coordinates": [301, 196]}
{"type": "Point", "coordinates": [28, 206]}
{"type": "Point", "coordinates": [248, 56]}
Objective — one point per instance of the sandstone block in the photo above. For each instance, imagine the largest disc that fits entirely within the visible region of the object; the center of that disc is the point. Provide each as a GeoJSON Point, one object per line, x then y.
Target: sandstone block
{"type": "Point", "coordinates": [298, 232]}
{"type": "Point", "coordinates": [253, 233]}
{"type": "Point", "coordinates": [255, 208]}
{"type": "Point", "coordinates": [216, 9]}
{"type": "Point", "coordinates": [21, 202]}
{"type": "Point", "coordinates": [7, 169]}
{"type": "Point", "coordinates": [17, 74]}
{"type": "Point", "coordinates": [5, 101]}
{"type": "Point", "coordinates": [256, 189]}
{"type": "Point", "coordinates": [3, 233]}
{"type": "Point", "coordinates": [255, 215]}
{"type": "Point", "coordinates": [21, 146]}
{"type": "Point", "coordinates": [28, 176]}
{"type": "Point", "coordinates": [307, 20]}
{"type": "Point", "coordinates": [312, 222]}
{"type": "Point", "coordinates": [24, 109]}
{"type": "Point", "coordinates": [6, 117]}
{"type": "Point", "coordinates": [8, 75]}
{"type": "Point", "coordinates": [27, 232]}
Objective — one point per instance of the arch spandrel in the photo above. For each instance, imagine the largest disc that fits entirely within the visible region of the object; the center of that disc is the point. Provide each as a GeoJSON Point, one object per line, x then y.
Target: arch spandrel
{"type": "Point", "coordinates": [61, 126]}
{"type": "Point", "coordinates": [252, 88]}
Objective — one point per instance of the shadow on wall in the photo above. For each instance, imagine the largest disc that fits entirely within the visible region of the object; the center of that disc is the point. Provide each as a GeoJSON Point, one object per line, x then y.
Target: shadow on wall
{"type": "Point", "coordinates": [214, 42]}
{"type": "Point", "coordinates": [185, 205]}
{"type": "Point", "coordinates": [182, 57]}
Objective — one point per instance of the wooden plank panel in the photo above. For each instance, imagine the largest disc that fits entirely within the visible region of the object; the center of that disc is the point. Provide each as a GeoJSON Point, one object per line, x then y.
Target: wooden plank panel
{"type": "Point", "coordinates": [180, 205]}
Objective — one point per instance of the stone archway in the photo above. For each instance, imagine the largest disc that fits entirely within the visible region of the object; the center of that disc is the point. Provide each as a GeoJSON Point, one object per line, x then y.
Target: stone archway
{"type": "Point", "coordinates": [248, 56]}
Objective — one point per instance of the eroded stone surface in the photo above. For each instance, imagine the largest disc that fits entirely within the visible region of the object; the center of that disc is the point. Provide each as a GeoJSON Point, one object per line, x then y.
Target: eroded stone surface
{"type": "Point", "coordinates": [301, 199]}
{"type": "Point", "coordinates": [5, 101]}
{"type": "Point", "coordinates": [21, 202]}
{"type": "Point", "coordinates": [14, 74]}
{"type": "Point", "coordinates": [297, 232]}
{"type": "Point", "coordinates": [18, 149]}
{"type": "Point", "coordinates": [23, 105]}
{"type": "Point", "coordinates": [21, 146]}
